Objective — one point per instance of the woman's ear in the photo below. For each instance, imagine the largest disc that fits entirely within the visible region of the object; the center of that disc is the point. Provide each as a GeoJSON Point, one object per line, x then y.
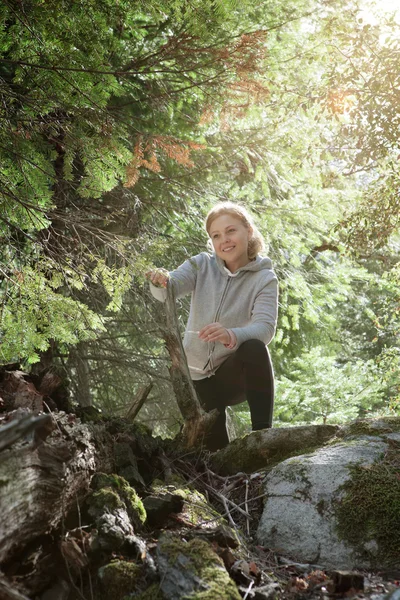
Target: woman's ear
{"type": "Point", "coordinates": [250, 232]}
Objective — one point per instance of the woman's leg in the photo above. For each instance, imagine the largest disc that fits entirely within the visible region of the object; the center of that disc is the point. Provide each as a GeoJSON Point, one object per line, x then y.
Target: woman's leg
{"type": "Point", "coordinates": [246, 374]}
{"type": "Point", "coordinates": [212, 395]}
{"type": "Point", "coordinates": [250, 370]}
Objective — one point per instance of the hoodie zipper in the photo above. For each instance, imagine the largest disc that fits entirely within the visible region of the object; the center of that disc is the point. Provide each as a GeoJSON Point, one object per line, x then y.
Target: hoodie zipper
{"type": "Point", "coordinates": [217, 314]}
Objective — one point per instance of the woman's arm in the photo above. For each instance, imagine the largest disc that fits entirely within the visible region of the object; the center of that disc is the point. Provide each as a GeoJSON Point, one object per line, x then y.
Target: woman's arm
{"type": "Point", "coordinates": [263, 318]}
{"type": "Point", "coordinates": [183, 279]}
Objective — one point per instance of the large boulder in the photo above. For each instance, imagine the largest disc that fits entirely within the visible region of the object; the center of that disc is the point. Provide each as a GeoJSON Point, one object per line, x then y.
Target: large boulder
{"type": "Point", "coordinates": [338, 506]}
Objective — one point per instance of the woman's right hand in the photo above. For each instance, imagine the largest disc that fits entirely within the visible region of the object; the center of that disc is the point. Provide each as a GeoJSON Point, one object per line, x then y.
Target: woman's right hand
{"type": "Point", "coordinates": [158, 277]}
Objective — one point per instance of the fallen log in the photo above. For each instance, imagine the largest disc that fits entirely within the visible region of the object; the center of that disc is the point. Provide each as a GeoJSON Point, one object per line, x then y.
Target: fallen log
{"type": "Point", "coordinates": [41, 479]}
{"type": "Point", "coordinates": [260, 449]}
{"type": "Point", "coordinates": [11, 432]}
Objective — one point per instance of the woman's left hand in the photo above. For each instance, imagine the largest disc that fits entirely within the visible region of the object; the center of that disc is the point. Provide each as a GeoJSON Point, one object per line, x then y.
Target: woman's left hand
{"type": "Point", "coordinates": [215, 333]}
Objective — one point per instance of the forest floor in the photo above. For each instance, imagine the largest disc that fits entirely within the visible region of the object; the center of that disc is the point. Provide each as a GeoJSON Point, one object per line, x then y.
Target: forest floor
{"type": "Point", "coordinates": [276, 575]}
{"type": "Point", "coordinates": [260, 573]}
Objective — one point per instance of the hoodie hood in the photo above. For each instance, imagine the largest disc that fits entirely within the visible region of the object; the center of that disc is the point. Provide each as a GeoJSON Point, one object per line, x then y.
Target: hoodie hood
{"type": "Point", "coordinates": [258, 264]}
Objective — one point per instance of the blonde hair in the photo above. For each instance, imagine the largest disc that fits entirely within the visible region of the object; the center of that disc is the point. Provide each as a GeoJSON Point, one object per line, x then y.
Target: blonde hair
{"type": "Point", "coordinates": [256, 242]}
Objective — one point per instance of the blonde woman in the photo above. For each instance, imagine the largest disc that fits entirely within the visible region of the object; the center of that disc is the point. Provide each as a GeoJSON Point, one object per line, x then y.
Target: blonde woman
{"type": "Point", "coordinates": [232, 318]}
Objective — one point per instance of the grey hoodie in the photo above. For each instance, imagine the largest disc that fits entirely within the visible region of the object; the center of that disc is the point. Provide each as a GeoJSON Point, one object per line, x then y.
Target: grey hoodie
{"type": "Point", "coordinates": [245, 302]}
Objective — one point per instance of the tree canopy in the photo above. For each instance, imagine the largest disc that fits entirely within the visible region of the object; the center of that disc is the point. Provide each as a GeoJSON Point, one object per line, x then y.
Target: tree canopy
{"type": "Point", "coordinates": [122, 122]}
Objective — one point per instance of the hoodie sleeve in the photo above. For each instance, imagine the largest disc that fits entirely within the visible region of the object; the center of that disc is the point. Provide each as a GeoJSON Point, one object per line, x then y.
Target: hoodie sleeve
{"type": "Point", "coordinates": [183, 279]}
{"type": "Point", "coordinates": [263, 317]}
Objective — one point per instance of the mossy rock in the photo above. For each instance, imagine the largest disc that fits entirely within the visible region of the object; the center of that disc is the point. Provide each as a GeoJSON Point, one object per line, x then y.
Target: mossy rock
{"type": "Point", "coordinates": [196, 510]}
{"type": "Point", "coordinates": [119, 578]}
{"type": "Point", "coordinates": [368, 515]}
{"type": "Point", "coordinates": [117, 493]}
{"type": "Point", "coordinates": [104, 499]}
{"type": "Point", "coordinates": [152, 593]}
{"type": "Point", "coordinates": [193, 571]}
{"type": "Point", "coordinates": [339, 506]}
{"type": "Point", "coordinates": [268, 447]}
{"type": "Point", "coordinates": [370, 427]}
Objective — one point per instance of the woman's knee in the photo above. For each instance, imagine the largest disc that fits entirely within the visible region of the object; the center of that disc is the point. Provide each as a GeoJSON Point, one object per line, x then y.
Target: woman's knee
{"type": "Point", "coordinates": [253, 349]}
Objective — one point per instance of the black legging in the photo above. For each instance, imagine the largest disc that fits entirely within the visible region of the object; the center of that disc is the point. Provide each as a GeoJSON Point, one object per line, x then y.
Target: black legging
{"type": "Point", "coordinates": [245, 375]}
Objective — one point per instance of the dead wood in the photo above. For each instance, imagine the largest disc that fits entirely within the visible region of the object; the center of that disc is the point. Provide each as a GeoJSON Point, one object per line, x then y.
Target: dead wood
{"type": "Point", "coordinates": [9, 593]}
{"type": "Point", "coordinates": [19, 392]}
{"type": "Point", "coordinates": [14, 430]}
{"type": "Point", "coordinates": [197, 421]}
{"type": "Point", "coordinates": [41, 480]}
{"type": "Point", "coordinates": [138, 401]}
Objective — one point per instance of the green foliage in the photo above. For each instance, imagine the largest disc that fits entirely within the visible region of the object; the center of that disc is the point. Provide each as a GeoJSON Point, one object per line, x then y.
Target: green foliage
{"type": "Point", "coordinates": [122, 123]}
{"type": "Point", "coordinates": [34, 312]}
{"type": "Point", "coordinates": [321, 390]}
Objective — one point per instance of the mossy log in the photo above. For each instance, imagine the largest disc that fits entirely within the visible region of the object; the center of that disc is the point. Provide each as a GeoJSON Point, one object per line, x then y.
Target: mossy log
{"type": "Point", "coordinates": [263, 448]}
{"type": "Point", "coordinates": [197, 421]}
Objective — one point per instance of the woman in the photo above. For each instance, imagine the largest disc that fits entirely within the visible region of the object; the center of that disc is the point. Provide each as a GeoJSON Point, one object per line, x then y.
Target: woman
{"type": "Point", "coordinates": [232, 317]}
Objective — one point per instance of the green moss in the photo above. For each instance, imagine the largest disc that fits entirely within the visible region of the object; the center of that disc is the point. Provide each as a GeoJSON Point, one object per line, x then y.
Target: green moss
{"type": "Point", "coordinates": [120, 489]}
{"type": "Point", "coordinates": [112, 480]}
{"type": "Point", "coordinates": [106, 497]}
{"type": "Point", "coordinates": [134, 504]}
{"type": "Point", "coordinates": [142, 429]}
{"type": "Point", "coordinates": [119, 578]}
{"type": "Point", "coordinates": [196, 509]}
{"type": "Point", "coordinates": [370, 510]}
{"type": "Point", "coordinates": [247, 457]}
{"type": "Point", "coordinates": [152, 593]}
{"type": "Point", "coordinates": [204, 563]}
{"type": "Point", "coordinates": [375, 427]}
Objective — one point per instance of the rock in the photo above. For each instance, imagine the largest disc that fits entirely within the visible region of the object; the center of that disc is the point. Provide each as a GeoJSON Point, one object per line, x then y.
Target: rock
{"type": "Point", "coordinates": [223, 535]}
{"type": "Point", "coordinates": [271, 591]}
{"type": "Point", "coordinates": [262, 448]}
{"type": "Point", "coordinates": [343, 581]}
{"type": "Point", "coordinates": [113, 491]}
{"type": "Point", "coordinates": [119, 578]}
{"type": "Point", "coordinates": [117, 510]}
{"type": "Point", "coordinates": [132, 476]}
{"type": "Point", "coordinates": [114, 530]}
{"type": "Point", "coordinates": [159, 507]}
{"type": "Point", "coordinates": [196, 510]}
{"type": "Point", "coordinates": [337, 506]}
{"type": "Point", "coordinates": [190, 568]}
{"type": "Point", "coordinates": [126, 464]}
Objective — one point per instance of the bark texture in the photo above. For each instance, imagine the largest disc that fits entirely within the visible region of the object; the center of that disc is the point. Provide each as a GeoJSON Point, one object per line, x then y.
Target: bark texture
{"type": "Point", "coordinates": [41, 477]}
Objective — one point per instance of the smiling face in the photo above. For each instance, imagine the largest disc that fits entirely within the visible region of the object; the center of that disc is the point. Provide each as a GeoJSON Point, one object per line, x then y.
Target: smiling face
{"type": "Point", "coordinates": [230, 238]}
